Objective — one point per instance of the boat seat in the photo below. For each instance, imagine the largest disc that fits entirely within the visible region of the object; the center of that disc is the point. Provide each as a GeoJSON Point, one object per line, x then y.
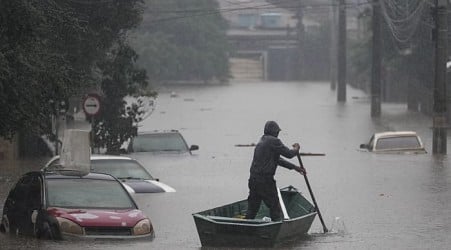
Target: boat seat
{"type": "Point", "coordinates": [236, 220]}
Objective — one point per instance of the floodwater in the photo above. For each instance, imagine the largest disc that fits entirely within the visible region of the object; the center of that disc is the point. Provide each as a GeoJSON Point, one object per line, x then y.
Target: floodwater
{"type": "Point", "coordinates": [368, 201]}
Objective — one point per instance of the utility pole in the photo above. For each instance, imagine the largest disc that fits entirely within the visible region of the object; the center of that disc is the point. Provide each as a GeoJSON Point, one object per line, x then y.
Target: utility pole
{"type": "Point", "coordinates": [300, 37]}
{"type": "Point", "coordinates": [333, 45]}
{"type": "Point", "coordinates": [439, 113]}
{"type": "Point", "coordinates": [377, 61]}
{"type": "Point", "coordinates": [341, 60]}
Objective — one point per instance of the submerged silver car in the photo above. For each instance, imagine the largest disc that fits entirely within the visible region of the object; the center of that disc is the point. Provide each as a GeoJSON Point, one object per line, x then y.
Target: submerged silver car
{"type": "Point", "coordinates": [170, 141]}
{"type": "Point", "coordinates": [133, 176]}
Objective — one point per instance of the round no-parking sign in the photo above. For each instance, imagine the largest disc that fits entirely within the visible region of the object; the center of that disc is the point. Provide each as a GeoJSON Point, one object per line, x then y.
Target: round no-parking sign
{"type": "Point", "coordinates": [91, 104]}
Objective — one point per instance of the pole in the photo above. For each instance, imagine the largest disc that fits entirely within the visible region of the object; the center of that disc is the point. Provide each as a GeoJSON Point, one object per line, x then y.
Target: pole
{"type": "Point", "coordinates": [333, 46]}
{"type": "Point", "coordinates": [439, 139]}
{"type": "Point", "coordinates": [341, 91]}
{"type": "Point", "coordinates": [325, 230]}
{"type": "Point", "coordinates": [377, 61]}
{"type": "Point", "coordinates": [57, 127]}
{"type": "Point", "coordinates": [300, 38]}
{"type": "Point", "coordinates": [92, 134]}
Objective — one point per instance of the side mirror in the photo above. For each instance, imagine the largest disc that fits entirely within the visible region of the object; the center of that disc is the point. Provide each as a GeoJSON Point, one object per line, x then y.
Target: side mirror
{"type": "Point", "coordinates": [193, 147]}
{"type": "Point", "coordinates": [34, 216]}
{"type": "Point", "coordinates": [365, 146]}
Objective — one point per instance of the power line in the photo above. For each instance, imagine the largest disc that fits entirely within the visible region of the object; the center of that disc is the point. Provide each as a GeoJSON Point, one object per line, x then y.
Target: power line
{"type": "Point", "coordinates": [403, 18]}
{"type": "Point", "coordinates": [206, 12]}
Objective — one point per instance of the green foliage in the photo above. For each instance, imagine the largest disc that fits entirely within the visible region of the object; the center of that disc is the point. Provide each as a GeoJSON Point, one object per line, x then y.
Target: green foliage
{"type": "Point", "coordinates": [52, 50]}
{"type": "Point", "coordinates": [183, 40]}
{"type": "Point", "coordinates": [34, 67]}
{"type": "Point", "coordinates": [120, 77]}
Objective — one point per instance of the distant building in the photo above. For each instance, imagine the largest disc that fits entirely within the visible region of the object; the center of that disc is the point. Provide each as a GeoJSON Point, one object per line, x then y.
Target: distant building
{"type": "Point", "coordinates": [265, 39]}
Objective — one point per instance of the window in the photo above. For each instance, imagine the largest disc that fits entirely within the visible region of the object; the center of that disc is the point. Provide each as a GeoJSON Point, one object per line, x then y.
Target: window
{"type": "Point", "coordinates": [402, 142]}
{"type": "Point", "coordinates": [120, 168]}
{"type": "Point", "coordinates": [34, 194]}
{"type": "Point", "coordinates": [159, 142]}
{"type": "Point", "coordinates": [87, 193]}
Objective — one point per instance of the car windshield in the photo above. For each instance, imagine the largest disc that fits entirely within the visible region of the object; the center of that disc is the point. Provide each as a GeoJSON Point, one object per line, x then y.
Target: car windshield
{"type": "Point", "coordinates": [121, 169]}
{"type": "Point", "coordinates": [402, 142]}
{"type": "Point", "coordinates": [87, 193]}
{"type": "Point", "coordinates": [159, 142]}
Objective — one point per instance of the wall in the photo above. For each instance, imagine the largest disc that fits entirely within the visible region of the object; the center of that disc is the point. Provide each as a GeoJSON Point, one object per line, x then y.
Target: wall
{"type": "Point", "coordinates": [8, 149]}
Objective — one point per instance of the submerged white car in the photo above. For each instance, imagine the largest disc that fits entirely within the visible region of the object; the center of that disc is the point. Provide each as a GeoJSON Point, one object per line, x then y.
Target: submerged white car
{"type": "Point", "coordinates": [395, 142]}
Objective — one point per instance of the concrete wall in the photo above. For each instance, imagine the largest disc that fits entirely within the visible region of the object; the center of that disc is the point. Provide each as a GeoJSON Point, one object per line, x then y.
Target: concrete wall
{"type": "Point", "coordinates": [8, 149]}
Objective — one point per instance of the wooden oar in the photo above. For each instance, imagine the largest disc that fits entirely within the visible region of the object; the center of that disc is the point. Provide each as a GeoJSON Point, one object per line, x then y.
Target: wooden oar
{"type": "Point", "coordinates": [303, 154]}
{"type": "Point", "coordinates": [311, 194]}
{"type": "Point", "coordinates": [312, 154]}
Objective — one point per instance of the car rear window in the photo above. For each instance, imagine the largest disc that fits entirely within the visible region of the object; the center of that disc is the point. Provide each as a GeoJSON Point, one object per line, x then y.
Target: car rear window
{"type": "Point", "coordinates": [159, 142]}
{"type": "Point", "coordinates": [120, 169]}
{"type": "Point", "coordinates": [402, 142]}
{"type": "Point", "coordinates": [87, 193]}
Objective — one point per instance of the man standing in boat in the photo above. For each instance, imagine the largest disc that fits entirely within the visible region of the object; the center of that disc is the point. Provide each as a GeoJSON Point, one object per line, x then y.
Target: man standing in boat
{"type": "Point", "coordinates": [262, 186]}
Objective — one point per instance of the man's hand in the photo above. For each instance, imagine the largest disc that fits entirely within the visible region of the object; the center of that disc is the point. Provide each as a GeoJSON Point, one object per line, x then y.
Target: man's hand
{"type": "Point", "coordinates": [296, 147]}
{"type": "Point", "coordinates": [300, 170]}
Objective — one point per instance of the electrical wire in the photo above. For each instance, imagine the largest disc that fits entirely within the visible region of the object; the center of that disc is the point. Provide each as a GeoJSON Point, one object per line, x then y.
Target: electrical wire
{"type": "Point", "coordinates": [205, 12]}
{"type": "Point", "coordinates": [403, 18]}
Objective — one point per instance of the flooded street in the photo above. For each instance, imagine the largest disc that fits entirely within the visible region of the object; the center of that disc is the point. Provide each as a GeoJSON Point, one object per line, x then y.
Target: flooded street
{"type": "Point", "coordinates": [371, 201]}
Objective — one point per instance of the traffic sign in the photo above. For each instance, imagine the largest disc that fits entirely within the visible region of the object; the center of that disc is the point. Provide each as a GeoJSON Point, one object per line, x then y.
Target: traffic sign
{"type": "Point", "coordinates": [91, 104]}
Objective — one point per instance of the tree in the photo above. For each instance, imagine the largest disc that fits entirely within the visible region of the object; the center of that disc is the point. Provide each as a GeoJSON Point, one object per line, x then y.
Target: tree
{"type": "Point", "coordinates": [177, 41]}
{"type": "Point", "coordinates": [35, 71]}
{"type": "Point", "coordinates": [116, 124]}
{"type": "Point", "coordinates": [52, 50]}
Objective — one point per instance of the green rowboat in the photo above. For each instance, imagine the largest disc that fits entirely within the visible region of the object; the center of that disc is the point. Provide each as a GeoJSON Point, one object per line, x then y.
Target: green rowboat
{"type": "Point", "coordinates": [226, 226]}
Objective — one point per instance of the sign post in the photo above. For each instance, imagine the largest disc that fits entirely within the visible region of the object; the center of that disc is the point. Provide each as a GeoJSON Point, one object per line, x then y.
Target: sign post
{"type": "Point", "coordinates": [91, 107]}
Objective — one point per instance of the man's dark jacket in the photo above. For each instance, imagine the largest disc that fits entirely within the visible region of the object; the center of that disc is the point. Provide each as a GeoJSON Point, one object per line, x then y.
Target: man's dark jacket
{"type": "Point", "coordinates": [268, 151]}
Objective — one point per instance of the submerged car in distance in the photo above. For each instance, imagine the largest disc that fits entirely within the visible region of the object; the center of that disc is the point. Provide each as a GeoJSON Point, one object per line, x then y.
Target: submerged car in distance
{"type": "Point", "coordinates": [170, 141]}
{"type": "Point", "coordinates": [407, 142]}
{"type": "Point", "coordinates": [63, 204]}
{"type": "Point", "coordinates": [134, 177]}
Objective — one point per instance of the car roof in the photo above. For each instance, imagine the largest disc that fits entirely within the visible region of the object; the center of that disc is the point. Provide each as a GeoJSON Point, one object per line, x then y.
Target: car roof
{"type": "Point", "coordinates": [109, 157]}
{"type": "Point", "coordinates": [395, 134]}
{"type": "Point", "coordinates": [172, 131]}
{"type": "Point", "coordinates": [101, 157]}
{"type": "Point", "coordinates": [59, 175]}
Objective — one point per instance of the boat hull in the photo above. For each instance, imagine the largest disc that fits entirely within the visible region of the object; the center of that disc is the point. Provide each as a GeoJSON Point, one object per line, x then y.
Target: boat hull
{"type": "Point", "coordinates": [224, 226]}
{"type": "Point", "coordinates": [212, 233]}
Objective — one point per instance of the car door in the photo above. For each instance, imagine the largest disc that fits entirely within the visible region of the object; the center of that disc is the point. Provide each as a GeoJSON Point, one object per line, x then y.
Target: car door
{"type": "Point", "coordinates": [22, 205]}
{"type": "Point", "coordinates": [34, 203]}
{"type": "Point", "coordinates": [15, 206]}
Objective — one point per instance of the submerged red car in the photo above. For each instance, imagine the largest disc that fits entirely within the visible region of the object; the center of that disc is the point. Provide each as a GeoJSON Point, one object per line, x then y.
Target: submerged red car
{"type": "Point", "coordinates": [59, 205]}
